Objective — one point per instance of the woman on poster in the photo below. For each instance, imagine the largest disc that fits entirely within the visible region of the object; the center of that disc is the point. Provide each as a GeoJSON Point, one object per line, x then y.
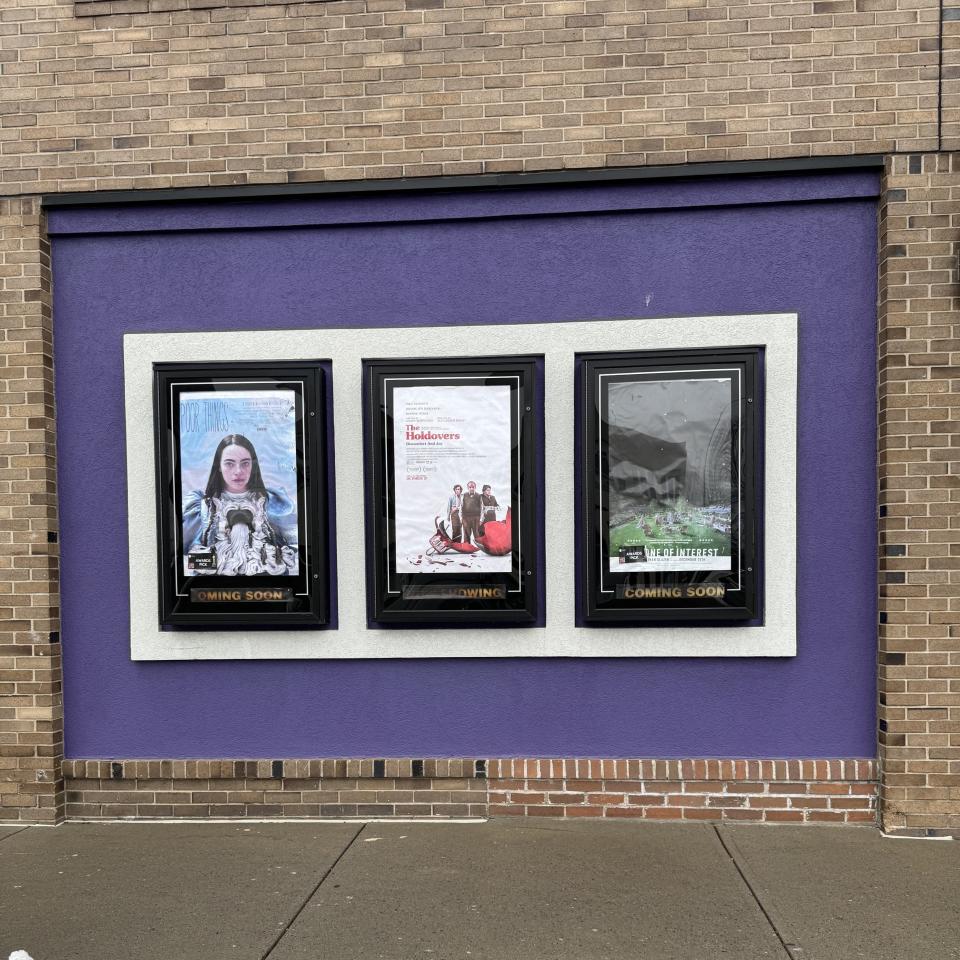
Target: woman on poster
{"type": "Point", "coordinates": [237, 526]}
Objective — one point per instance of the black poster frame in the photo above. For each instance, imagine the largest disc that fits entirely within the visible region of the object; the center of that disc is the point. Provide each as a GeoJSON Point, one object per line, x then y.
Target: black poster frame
{"type": "Point", "coordinates": [242, 601]}
{"type": "Point", "coordinates": [455, 599]}
{"type": "Point", "coordinates": [671, 596]}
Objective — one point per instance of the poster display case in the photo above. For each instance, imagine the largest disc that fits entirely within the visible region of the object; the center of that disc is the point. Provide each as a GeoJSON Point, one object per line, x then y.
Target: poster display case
{"type": "Point", "coordinates": [241, 481]}
{"type": "Point", "coordinates": [451, 502]}
{"type": "Point", "coordinates": [671, 486]}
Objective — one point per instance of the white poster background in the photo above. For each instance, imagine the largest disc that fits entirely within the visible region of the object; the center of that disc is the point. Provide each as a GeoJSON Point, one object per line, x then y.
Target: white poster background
{"type": "Point", "coordinates": [469, 428]}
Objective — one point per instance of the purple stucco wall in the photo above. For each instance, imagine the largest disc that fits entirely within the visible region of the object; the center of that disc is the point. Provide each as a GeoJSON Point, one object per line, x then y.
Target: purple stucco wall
{"type": "Point", "coordinates": [782, 244]}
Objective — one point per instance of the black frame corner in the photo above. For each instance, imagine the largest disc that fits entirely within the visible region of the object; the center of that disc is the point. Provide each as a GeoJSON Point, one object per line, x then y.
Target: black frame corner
{"type": "Point", "coordinates": [650, 553]}
{"type": "Point", "coordinates": [252, 591]}
{"type": "Point", "coordinates": [438, 597]}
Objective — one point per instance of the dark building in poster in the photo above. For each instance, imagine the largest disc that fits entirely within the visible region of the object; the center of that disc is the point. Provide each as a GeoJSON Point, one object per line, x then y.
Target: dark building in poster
{"type": "Point", "coordinates": [648, 472]}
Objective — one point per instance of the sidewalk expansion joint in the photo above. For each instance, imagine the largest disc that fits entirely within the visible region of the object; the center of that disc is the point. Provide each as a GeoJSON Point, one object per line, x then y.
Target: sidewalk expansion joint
{"type": "Point", "coordinates": [26, 826]}
{"type": "Point", "coordinates": [311, 894]}
{"type": "Point", "coordinates": [787, 940]}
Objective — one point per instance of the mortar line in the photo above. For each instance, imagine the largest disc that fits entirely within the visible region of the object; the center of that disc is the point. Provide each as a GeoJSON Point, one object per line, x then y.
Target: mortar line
{"type": "Point", "coordinates": [789, 944]}
{"type": "Point", "coordinates": [311, 895]}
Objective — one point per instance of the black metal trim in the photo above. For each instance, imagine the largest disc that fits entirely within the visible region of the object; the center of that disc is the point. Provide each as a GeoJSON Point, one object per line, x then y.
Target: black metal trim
{"type": "Point", "coordinates": [310, 606]}
{"type": "Point", "coordinates": [485, 181]}
{"type": "Point", "coordinates": [594, 548]}
{"type": "Point", "coordinates": [519, 603]}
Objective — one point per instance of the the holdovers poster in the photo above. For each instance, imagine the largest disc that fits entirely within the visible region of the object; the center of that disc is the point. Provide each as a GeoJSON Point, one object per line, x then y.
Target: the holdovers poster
{"type": "Point", "coordinates": [238, 482]}
{"type": "Point", "coordinates": [452, 479]}
{"type": "Point", "coordinates": [669, 474]}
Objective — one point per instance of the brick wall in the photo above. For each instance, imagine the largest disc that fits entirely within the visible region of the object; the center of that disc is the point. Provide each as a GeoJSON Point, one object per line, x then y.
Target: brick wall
{"type": "Point", "coordinates": [106, 94]}
{"type": "Point", "coordinates": [774, 791]}
{"type": "Point", "coordinates": [387, 88]}
{"type": "Point", "coordinates": [827, 791]}
{"type": "Point", "coordinates": [920, 493]}
{"type": "Point", "coordinates": [103, 789]}
{"type": "Point", "coordinates": [31, 715]}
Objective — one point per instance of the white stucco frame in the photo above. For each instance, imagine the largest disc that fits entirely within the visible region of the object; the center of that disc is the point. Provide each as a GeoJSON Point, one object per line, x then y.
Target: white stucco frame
{"type": "Point", "coordinates": [558, 343]}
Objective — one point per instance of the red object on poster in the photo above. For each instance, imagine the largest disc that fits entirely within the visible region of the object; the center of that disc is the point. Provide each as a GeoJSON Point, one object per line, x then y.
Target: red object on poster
{"type": "Point", "coordinates": [441, 542]}
{"type": "Point", "coordinates": [496, 538]}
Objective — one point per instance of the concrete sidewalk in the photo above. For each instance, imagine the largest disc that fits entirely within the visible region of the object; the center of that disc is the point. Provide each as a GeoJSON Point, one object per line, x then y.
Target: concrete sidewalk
{"type": "Point", "coordinates": [502, 890]}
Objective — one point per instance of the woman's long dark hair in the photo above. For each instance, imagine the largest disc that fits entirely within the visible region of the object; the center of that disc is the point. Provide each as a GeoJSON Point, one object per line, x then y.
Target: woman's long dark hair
{"type": "Point", "coordinates": [215, 480]}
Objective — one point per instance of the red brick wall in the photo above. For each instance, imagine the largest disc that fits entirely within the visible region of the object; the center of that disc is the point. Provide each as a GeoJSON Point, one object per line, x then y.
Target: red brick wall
{"type": "Point", "coordinates": [781, 791]}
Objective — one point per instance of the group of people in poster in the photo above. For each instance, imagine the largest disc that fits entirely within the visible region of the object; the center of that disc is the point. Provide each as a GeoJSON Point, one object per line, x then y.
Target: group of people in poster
{"type": "Point", "coordinates": [468, 512]}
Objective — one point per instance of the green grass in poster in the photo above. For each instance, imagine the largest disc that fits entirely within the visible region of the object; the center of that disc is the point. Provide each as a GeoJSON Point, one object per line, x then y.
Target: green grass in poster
{"type": "Point", "coordinates": [679, 526]}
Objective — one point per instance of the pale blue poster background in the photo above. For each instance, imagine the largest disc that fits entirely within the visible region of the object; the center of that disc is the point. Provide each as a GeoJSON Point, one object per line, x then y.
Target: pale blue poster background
{"type": "Point", "coordinates": [267, 418]}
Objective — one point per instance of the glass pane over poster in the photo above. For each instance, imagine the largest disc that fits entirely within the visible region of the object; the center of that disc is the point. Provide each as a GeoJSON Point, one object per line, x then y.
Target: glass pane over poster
{"type": "Point", "coordinates": [452, 491]}
{"type": "Point", "coordinates": [239, 469]}
{"type": "Point", "coordinates": [670, 446]}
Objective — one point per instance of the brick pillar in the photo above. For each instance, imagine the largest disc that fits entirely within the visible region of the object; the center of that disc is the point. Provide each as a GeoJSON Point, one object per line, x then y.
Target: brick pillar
{"type": "Point", "coordinates": [31, 701]}
{"type": "Point", "coordinates": [919, 466]}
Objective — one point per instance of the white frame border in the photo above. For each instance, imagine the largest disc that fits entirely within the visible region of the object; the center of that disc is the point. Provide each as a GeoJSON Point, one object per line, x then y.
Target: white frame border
{"type": "Point", "coordinates": [558, 343]}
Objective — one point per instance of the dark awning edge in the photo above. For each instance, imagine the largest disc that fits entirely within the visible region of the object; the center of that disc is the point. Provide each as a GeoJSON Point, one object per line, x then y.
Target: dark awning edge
{"type": "Point", "coordinates": [499, 181]}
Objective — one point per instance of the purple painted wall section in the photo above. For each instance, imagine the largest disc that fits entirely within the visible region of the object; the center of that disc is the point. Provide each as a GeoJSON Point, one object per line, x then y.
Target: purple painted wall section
{"type": "Point", "coordinates": [813, 257]}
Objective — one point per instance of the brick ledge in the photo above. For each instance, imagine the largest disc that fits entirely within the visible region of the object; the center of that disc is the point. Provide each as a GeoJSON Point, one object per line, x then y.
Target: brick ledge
{"type": "Point", "coordinates": [458, 768]}
{"type": "Point", "coordinates": [798, 791]}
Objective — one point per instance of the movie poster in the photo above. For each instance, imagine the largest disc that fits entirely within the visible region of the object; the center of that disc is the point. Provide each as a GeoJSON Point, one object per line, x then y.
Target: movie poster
{"type": "Point", "coordinates": [453, 463]}
{"type": "Point", "coordinates": [238, 482]}
{"type": "Point", "coordinates": [670, 466]}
